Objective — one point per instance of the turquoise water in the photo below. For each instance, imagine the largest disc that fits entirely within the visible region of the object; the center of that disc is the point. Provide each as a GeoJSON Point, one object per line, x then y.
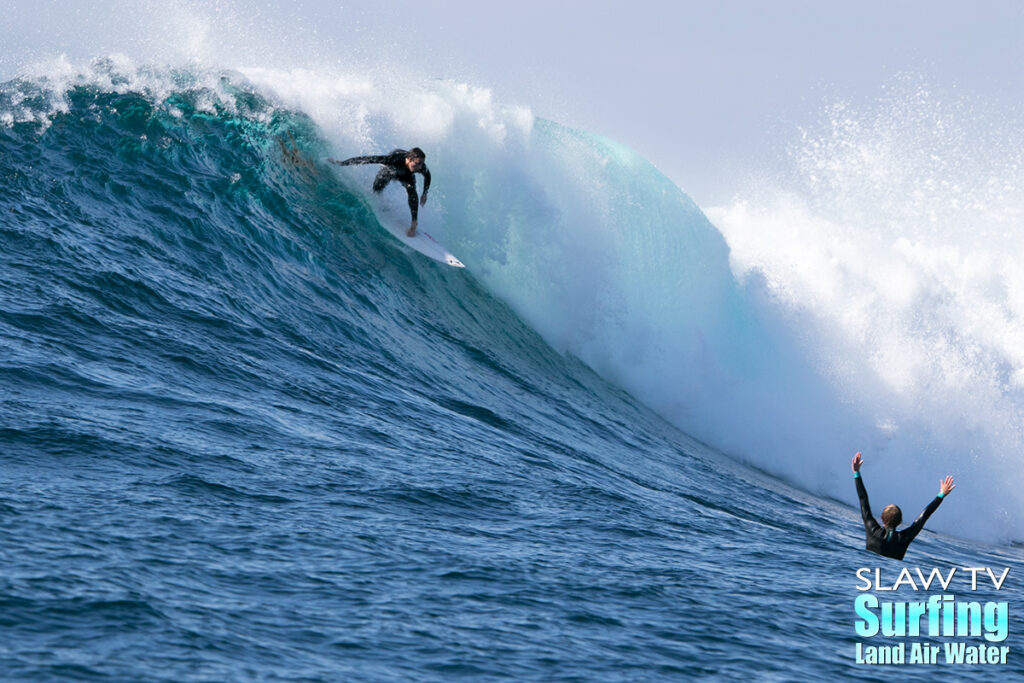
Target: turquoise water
{"type": "Point", "coordinates": [248, 436]}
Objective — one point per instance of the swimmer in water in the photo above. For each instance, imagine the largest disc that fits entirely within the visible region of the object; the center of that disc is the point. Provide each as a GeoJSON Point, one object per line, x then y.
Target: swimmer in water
{"type": "Point", "coordinates": [883, 538]}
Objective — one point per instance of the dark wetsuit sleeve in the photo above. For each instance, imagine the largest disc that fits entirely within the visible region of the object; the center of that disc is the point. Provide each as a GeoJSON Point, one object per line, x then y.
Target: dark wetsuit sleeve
{"type": "Point", "coordinates": [364, 160]}
{"type": "Point", "coordinates": [870, 523]}
{"type": "Point", "coordinates": [911, 531]}
{"type": "Point", "coordinates": [426, 179]}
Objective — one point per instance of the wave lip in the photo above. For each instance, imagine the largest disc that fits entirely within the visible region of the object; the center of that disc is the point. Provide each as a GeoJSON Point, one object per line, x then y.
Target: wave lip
{"type": "Point", "coordinates": [792, 345]}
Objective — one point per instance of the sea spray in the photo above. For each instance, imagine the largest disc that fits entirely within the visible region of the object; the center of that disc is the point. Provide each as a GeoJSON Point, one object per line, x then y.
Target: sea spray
{"type": "Point", "coordinates": [613, 264]}
{"type": "Point", "coordinates": [894, 243]}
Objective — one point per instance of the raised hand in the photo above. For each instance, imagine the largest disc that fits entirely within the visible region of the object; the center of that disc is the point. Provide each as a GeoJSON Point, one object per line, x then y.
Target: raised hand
{"type": "Point", "coordinates": [857, 462]}
{"type": "Point", "coordinates": [946, 486]}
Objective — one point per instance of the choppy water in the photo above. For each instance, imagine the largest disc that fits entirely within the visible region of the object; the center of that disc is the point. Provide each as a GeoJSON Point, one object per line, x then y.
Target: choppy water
{"type": "Point", "coordinates": [246, 435]}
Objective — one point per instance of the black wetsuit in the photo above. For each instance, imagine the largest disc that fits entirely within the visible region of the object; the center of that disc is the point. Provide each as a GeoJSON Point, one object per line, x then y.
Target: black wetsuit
{"type": "Point", "coordinates": [395, 169]}
{"type": "Point", "coordinates": [886, 541]}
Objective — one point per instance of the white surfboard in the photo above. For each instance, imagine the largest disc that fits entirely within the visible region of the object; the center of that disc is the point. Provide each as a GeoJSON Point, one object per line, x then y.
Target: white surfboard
{"type": "Point", "coordinates": [422, 242]}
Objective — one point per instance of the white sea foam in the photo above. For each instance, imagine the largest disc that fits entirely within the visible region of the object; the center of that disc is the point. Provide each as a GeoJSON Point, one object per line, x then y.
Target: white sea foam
{"type": "Point", "coordinates": [870, 302]}
{"type": "Point", "coordinates": [873, 302]}
{"type": "Point", "coordinates": [897, 242]}
{"type": "Point", "coordinates": [597, 250]}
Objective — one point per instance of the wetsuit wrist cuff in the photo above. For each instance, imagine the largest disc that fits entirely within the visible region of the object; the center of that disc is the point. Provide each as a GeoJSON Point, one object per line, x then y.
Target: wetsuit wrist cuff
{"type": "Point", "coordinates": [942, 495]}
{"type": "Point", "coordinates": [856, 475]}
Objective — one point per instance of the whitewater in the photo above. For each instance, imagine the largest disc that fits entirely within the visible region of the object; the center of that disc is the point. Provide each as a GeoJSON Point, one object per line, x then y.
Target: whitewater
{"type": "Point", "coordinates": [875, 312]}
{"type": "Point", "coordinates": [248, 435]}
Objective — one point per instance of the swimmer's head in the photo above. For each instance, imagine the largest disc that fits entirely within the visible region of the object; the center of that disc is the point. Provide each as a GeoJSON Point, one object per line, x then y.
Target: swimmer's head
{"type": "Point", "coordinates": [892, 516]}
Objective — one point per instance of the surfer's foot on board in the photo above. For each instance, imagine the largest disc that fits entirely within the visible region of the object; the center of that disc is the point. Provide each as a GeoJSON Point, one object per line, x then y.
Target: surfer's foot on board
{"type": "Point", "coordinates": [411, 232]}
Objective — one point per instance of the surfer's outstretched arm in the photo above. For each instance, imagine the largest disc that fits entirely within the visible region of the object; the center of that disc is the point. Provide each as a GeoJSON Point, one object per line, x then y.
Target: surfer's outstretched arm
{"type": "Point", "coordinates": [360, 160]}
{"type": "Point", "coordinates": [945, 487]}
{"type": "Point", "coordinates": [862, 494]}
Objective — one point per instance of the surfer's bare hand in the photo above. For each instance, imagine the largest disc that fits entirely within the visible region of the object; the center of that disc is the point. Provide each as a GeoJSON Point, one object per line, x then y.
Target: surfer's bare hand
{"type": "Point", "coordinates": [946, 486]}
{"type": "Point", "coordinates": [412, 230]}
{"type": "Point", "coordinates": [857, 462]}
{"type": "Point", "coordinates": [423, 199]}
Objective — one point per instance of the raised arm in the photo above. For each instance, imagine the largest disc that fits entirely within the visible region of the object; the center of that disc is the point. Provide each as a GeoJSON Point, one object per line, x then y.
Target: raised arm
{"type": "Point", "coordinates": [862, 493]}
{"type": "Point", "coordinates": [945, 487]}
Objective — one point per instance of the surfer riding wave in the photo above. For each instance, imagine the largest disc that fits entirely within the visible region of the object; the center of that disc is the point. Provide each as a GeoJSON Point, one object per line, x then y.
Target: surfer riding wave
{"type": "Point", "coordinates": [399, 165]}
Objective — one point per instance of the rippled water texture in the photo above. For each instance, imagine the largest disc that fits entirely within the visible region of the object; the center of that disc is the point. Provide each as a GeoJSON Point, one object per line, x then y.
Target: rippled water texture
{"type": "Point", "coordinates": [246, 435]}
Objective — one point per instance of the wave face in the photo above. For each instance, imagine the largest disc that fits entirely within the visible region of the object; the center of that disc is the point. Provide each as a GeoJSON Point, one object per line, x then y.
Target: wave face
{"type": "Point", "coordinates": [849, 319]}
{"type": "Point", "coordinates": [247, 434]}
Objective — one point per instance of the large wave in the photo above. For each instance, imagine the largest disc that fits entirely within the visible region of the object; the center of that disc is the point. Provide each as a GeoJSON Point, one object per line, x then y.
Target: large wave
{"type": "Point", "coordinates": [783, 366]}
{"type": "Point", "coordinates": [792, 350]}
{"type": "Point", "coordinates": [893, 241]}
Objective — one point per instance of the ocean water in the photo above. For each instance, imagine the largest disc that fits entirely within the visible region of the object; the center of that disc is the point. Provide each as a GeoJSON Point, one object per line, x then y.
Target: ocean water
{"type": "Point", "coordinates": [247, 435]}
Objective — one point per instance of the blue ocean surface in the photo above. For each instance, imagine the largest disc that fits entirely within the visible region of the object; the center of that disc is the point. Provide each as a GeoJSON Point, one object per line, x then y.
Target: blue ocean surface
{"type": "Point", "coordinates": [246, 434]}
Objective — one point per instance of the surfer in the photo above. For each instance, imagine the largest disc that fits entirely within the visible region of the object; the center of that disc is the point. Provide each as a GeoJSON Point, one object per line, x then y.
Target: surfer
{"type": "Point", "coordinates": [884, 539]}
{"type": "Point", "coordinates": [399, 165]}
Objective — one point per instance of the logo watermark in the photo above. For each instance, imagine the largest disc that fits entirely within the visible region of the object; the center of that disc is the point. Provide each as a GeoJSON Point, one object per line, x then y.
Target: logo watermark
{"type": "Point", "coordinates": [975, 630]}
